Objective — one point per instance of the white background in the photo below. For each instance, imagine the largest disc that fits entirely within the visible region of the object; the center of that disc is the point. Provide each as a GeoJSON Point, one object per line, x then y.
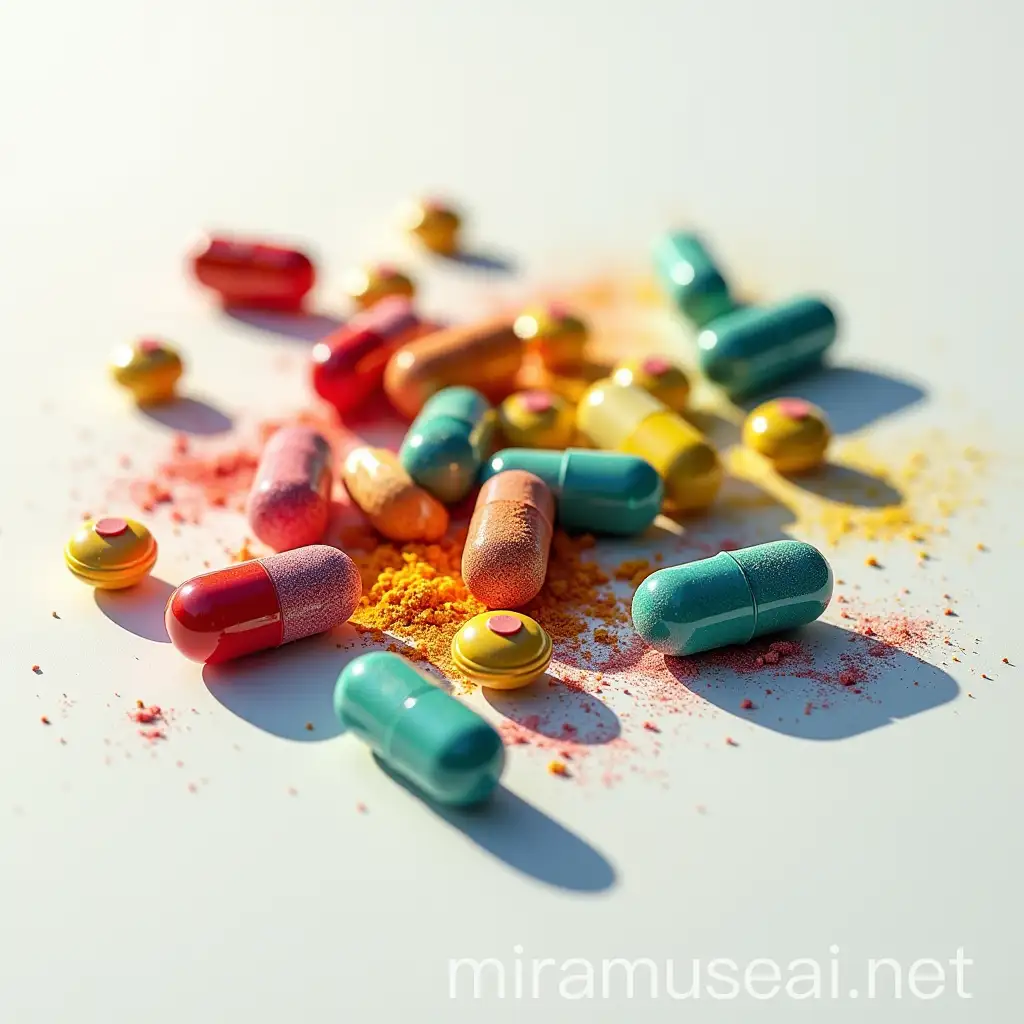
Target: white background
{"type": "Point", "coordinates": [869, 150]}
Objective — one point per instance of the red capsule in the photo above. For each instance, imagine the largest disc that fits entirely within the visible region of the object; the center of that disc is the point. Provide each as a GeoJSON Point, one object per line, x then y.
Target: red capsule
{"type": "Point", "coordinates": [348, 365]}
{"type": "Point", "coordinates": [254, 275]}
{"type": "Point", "coordinates": [261, 604]}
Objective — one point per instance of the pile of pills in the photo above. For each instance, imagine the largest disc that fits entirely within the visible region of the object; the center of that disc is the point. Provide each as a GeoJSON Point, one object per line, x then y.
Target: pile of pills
{"type": "Point", "coordinates": [604, 463]}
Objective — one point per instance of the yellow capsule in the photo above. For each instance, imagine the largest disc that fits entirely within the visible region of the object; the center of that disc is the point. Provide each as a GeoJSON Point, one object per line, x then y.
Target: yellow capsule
{"type": "Point", "coordinates": [503, 650]}
{"type": "Point", "coordinates": [658, 376]}
{"type": "Point", "coordinates": [149, 369]}
{"type": "Point", "coordinates": [792, 433]}
{"type": "Point", "coordinates": [629, 419]}
{"type": "Point", "coordinates": [367, 286]}
{"type": "Point", "coordinates": [537, 419]}
{"type": "Point", "coordinates": [435, 224]}
{"type": "Point", "coordinates": [111, 553]}
{"type": "Point", "coordinates": [557, 336]}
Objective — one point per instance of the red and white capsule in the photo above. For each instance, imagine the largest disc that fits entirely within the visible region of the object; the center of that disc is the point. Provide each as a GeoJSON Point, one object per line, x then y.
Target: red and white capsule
{"type": "Point", "coordinates": [264, 603]}
{"type": "Point", "coordinates": [290, 501]}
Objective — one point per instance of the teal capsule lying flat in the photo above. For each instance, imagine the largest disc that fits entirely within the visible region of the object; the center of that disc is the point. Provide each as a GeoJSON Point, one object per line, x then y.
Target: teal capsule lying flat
{"type": "Point", "coordinates": [418, 730]}
{"type": "Point", "coordinates": [733, 597]}
{"type": "Point", "coordinates": [447, 442]}
{"type": "Point", "coordinates": [595, 492]}
{"type": "Point", "coordinates": [757, 347]}
{"type": "Point", "coordinates": [690, 277]}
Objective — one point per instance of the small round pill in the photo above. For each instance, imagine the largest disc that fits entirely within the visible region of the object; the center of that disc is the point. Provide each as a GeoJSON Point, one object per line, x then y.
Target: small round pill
{"type": "Point", "coordinates": [149, 369]}
{"type": "Point", "coordinates": [435, 223]}
{"type": "Point", "coordinates": [791, 433]}
{"type": "Point", "coordinates": [537, 419]}
{"type": "Point", "coordinates": [504, 651]}
{"type": "Point", "coordinates": [366, 287]}
{"type": "Point", "coordinates": [558, 336]}
{"type": "Point", "coordinates": [658, 376]}
{"type": "Point", "coordinates": [111, 553]}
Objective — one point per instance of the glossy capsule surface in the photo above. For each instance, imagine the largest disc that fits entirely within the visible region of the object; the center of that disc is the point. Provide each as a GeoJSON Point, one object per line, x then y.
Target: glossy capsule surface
{"type": "Point", "coordinates": [791, 433]}
{"type": "Point", "coordinates": [149, 369]}
{"type": "Point", "coordinates": [485, 356]}
{"type": "Point", "coordinates": [448, 441]}
{"type": "Point", "coordinates": [502, 650]}
{"type": "Point", "coordinates": [537, 419]}
{"type": "Point", "coordinates": [290, 501]}
{"type": "Point", "coordinates": [658, 376]}
{"type": "Point", "coordinates": [595, 492]}
{"type": "Point", "coordinates": [631, 420]}
{"type": "Point", "coordinates": [394, 503]}
{"type": "Point", "coordinates": [370, 285]}
{"type": "Point", "coordinates": [254, 275]}
{"type": "Point", "coordinates": [758, 347]}
{"type": "Point", "coordinates": [433, 740]}
{"type": "Point", "coordinates": [732, 597]}
{"type": "Point", "coordinates": [557, 336]}
{"type": "Point", "coordinates": [348, 365]}
{"type": "Point", "coordinates": [263, 603]}
{"type": "Point", "coordinates": [435, 223]}
{"type": "Point", "coordinates": [690, 277]}
{"type": "Point", "coordinates": [505, 560]}
{"type": "Point", "coordinates": [111, 553]}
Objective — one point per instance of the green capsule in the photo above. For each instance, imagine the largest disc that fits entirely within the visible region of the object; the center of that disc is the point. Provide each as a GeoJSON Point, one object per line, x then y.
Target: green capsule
{"type": "Point", "coordinates": [690, 277]}
{"type": "Point", "coordinates": [732, 597]}
{"type": "Point", "coordinates": [757, 347]}
{"type": "Point", "coordinates": [595, 492]}
{"type": "Point", "coordinates": [447, 442]}
{"type": "Point", "coordinates": [422, 733]}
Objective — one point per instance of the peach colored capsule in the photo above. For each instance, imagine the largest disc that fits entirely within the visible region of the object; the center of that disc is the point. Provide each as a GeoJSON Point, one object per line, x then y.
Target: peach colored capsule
{"type": "Point", "coordinates": [396, 507]}
{"type": "Point", "coordinates": [485, 356]}
{"type": "Point", "coordinates": [505, 559]}
{"type": "Point", "coordinates": [290, 500]}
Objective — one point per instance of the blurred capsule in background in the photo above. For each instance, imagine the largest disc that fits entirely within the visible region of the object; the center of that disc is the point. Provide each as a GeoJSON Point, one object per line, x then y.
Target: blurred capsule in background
{"type": "Point", "coordinates": [448, 441]}
{"type": "Point", "coordinates": [791, 433]}
{"type": "Point", "coordinates": [537, 419]}
{"type": "Point", "coordinates": [434, 223]}
{"type": "Point", "coordinates": [759, 347]}
{"type": "Point", "coordinates": [659, 376]}
{"type": "Point", "coordinates": [368, 285]}
{"type": "Point", "coordinates": [149, 369]}
{"type": "Point", "coordinates": [558, 337]}
{"type": "Point", "coordinates": [250, 274]}
{"type": "Point", "coordinates": [111, 553]}
{"type": "Point", "coordinates": [690, 278]}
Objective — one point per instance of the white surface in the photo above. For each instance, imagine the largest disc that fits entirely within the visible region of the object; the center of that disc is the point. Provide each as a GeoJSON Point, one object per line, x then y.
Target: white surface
{"type": "Point", "coordinates": [867, 150]}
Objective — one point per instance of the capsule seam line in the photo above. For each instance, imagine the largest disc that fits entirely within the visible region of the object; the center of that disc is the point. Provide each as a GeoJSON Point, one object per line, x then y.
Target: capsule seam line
{"type": "Point", "coordinates": [750, 590]}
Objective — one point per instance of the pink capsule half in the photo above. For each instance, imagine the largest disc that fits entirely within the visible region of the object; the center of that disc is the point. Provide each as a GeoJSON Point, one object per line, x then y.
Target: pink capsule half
{"type": "Point", "coordinates": [290, 501]}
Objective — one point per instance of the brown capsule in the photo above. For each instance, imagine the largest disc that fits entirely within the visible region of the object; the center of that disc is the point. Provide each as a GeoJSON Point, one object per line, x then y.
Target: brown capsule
{"type": "Point", "coordinates": [485, 356]}
{"type": "Point", "coordinates": [505, 559]}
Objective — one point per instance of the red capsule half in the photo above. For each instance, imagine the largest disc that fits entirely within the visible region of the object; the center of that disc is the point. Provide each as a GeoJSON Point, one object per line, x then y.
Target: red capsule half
{"type": "Point", "coordinates": [254, 275]}
{"type": "Point", "coordinates": [263, 603]}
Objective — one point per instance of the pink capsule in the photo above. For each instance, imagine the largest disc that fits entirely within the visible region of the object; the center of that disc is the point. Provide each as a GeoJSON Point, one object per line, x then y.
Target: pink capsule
{"type": "Point", "coordinates": [290, 501]}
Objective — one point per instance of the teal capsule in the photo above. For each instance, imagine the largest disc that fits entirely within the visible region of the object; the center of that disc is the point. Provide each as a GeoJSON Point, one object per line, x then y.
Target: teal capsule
{"type": "Point", "coordinates": [595, 492]}
{"type": "Point", "coordinates": [447, 442]}
{"type": "Point", "coordinates": [689, 275]}
{"type": "Point", "coordinates": [758, 347]}
{"type": "Point", "coordinates": [733, 597]}
{"type": "Point", "coordinates": [418, 730]}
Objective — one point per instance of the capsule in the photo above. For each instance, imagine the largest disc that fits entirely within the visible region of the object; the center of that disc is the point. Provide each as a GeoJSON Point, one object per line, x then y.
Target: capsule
{"type": "Point", "coordinates": [368, 286]}
{"type": "Point", "coordinates": [484, 356]}
{"type": "Point", "coordinates": [435, 224]}
{"type": "Point", "coordinates": [505, 559]}
{"type": "Point", "coordinates": [149, 369]}
{"type": "Point", "coordinates": [263, 603]}
{"type": "Point", "coordinates": [732, 597]}
{"type": "Point", "coordinates": [502, 650]}
{"type": "Point", "coordinates": [396, 506]}
{"type": "Point", "coordinates": [690, 277]}
{"type": "Point", "coordinates": [758, 347]}
{"type": "Point", "coordinates": [537, 419]}
{"type": "Point", "coordinates": [420, 732]}
{"type": "Point", "coordinates": [448, 441]}
{"type": "Point", "coordinates": [791, 433]}
{"type": "Point", "coordinates": [348, 365]}
{"type": "Point", "coordinates": [659, 376]}
{"type": "Point", "coordinates": [630, 420]}
{"type": "Point", "coordinates": [595, 492]}
{"type": "Point", "coordinates": [254, 275]}
{"type": "Point", "coordinates": [290, 500]}
{"type": "Point", "coordinates": [557, 336]}
{"type": "Point", "coordinates": [111, 553]}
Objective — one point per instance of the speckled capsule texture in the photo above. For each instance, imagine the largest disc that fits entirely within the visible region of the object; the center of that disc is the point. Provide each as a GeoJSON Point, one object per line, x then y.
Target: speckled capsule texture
{"type": "Point", "coordinates": [791, 433]}
{"type": "Point", "coordinates": [290, 501]}
{"type": "Point", "coordinates": [505, 560]}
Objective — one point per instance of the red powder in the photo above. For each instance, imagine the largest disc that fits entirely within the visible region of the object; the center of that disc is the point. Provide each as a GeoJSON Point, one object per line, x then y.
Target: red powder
{"type": "Point", "coordinates": [747, 704]}
{"type": "Point", "coordinates": [152, 734]}
{"type": "Point", "coordinates": [145, 715]}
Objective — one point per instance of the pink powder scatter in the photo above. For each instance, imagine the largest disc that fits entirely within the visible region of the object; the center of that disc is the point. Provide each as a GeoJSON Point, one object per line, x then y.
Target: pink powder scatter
{"type": "Point", "coordinates": [144, 716]}
{"type": "Point", "coordinates": [153, 734]}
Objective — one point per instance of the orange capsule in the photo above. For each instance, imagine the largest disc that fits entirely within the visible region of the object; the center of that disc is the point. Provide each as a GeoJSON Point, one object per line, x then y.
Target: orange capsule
{"type": "Point", "coordinates": [396, 507]}
{"type": "Point", "coordinates": [505, 559]}
{"type": "Point", "coordinates": [485, 356]}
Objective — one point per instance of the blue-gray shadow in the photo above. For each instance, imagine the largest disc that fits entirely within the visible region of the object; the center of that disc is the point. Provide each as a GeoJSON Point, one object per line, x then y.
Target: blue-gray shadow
{"type": "Point", "coordinates": [297, 326]}
{"type": "Point", "coordinates": [899, 686]}
{"type": "Point", "coordinates": [851, 396]}
{"type": "Point", "coordinates": [550, 708]}
{"type": "Point", "coordinates": [478, 260]}
{"type": "Point", "coordinates": [849, 485]}
{"type": "Point", "coordinates": [523, 837]}
{"type": "Point", "coordinates": [188, 416]}
{"type": "Point", "coordinates": [138, 609]}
